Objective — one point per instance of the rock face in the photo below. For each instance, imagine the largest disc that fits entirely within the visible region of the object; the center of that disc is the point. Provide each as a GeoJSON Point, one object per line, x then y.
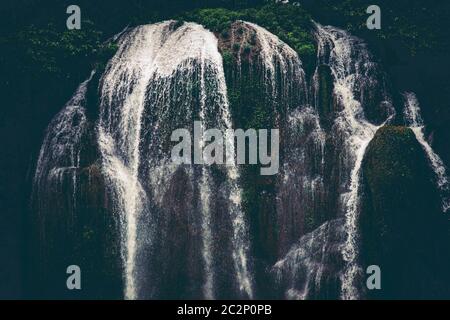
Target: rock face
{"type": "Point", "coordinates": [73, 221]}
{"type": "Point", "coordinates": [108, 197]}
{"type": "Point", "coordinates": [76, 231]}
{"type": "Point", "coordinates": [312, 267]}
{"type": "Point", "coordinates": [266, 87]}
{"type": "Point", "coordinates": [403, 229]}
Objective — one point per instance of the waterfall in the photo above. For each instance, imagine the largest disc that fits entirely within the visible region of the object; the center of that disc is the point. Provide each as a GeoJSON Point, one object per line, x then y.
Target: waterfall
{"type": "Point", "coordinates": [278, 59]}
{"type": "Point", "coordinates": [183, 231]}
{"type": "Point", "coordinates": [301, 183]}
{"type": "Point", "coordinates": [310, 263]}
{"type": "Point", "coordinates": [355, 74]}
{"type": "Point", "coordinates": [413, 119]}
{"type": "Point", "coordinates": [208, 288]}
{"type": "Point", "coordinates": [281, 69]}
{"type": "Point", "coordinates": [123, 96]}
{"type": "Point", "coordinates": [278, 71]}
{"type": "Point", "coordinates": [60, 152]}
{"type": "Point", "coordinates": [147, 91]}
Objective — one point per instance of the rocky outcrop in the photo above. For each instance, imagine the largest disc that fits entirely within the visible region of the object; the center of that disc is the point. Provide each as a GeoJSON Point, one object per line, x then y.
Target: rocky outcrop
{"type": "Point", "coordinates": [76, 229]}
{"type": "Point", "coordinates": [265, 83]}
{"type": "Point", "coordinates": [402, 227]}
{"type": "Point", "coordinates": [110, 200]}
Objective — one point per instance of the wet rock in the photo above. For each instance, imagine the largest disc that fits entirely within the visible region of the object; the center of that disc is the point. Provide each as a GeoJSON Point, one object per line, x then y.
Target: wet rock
{"type": "Point", "coordinates": [402, 227]}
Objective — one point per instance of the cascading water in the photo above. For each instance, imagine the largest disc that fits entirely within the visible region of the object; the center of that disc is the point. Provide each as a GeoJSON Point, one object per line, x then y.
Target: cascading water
{"type": "Point", "coordinates": [413, 119]}
{"type": "Point", "coordinates": [308, 266]}
{"type": "Point", "coordinates": [300, 189]}
{"type": "Point", "coordinates": [324, 160]}
{"type": "Point", "coordinates": [147, 91]}
{"type": "Point", "coordinates": [60, 151]}
{"type": "Point", "coordinates": [300, 197]}
{"type": "Point", "coordinates": [208, 288]}
{"type": "Point", "coordinates": [277, 69]}
{"type": "Point", "coordinates": [355, 75]}
{"type": "Point", "coordinates": [281, 69]}
{"type": "Point", "coordinates": [182, 224]}
{"type": "Point", "coordinates": [119, 132]}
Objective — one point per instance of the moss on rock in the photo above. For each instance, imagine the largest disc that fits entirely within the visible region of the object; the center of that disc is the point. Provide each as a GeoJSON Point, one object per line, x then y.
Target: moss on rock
{"type": "Point", "coordinates": [402, 228]}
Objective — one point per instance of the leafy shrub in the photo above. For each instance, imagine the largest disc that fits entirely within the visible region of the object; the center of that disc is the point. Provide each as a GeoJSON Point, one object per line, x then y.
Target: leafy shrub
{"type": "Point", "coordinates": [227, 58]}
{"type": "Point", "coordinates": [290, 23]}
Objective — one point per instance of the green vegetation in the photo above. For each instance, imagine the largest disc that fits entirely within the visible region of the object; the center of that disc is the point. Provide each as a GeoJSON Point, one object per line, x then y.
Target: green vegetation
{"type": "Point", "coordinates": [227, 58]}
{"type": "Point", "coordinates": [249, 105]}
{"type": "Point", "coordinates": [290, 23]}
{"type": "Point", "coordinates": [414, 24]}
{"type": "Point", "coordinates": [41, 68]}
{"type": "Point", "coordinates": [57, 52]}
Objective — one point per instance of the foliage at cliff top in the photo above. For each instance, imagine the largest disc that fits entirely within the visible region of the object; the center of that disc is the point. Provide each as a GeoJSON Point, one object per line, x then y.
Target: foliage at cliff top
{"type": "Point", "coordinates": [40, 47]}
{"type": "Point", "coordinates": [54, 52]}
{"type": "Point", "coordinates": [418, 25]}
{"type": "Point", "coordinates": [290, 23]}
{"type": "Point", "coordinates": [49, 46]}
